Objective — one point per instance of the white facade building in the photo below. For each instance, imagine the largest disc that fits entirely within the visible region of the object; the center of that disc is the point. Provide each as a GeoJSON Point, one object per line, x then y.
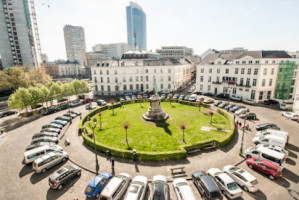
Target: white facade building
{"type": "Point", "coordinates": [137, 71]}
{"type": "Point", "coordinates": [251, 75]}
{"type": "Point", "coordinates": [175, 52]}
{"type": "Point", "coordinates": [114, 50]}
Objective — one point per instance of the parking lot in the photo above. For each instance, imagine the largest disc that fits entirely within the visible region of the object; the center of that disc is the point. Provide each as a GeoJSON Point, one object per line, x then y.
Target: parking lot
{"type": "Point", "coordinates": [20, 182]}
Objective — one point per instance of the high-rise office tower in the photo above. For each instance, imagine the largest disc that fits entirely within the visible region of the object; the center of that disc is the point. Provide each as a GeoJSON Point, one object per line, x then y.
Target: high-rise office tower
{"type": "Point", "coordinates": [75, 43]}
{"type": "Point", "coordinates": [136, 26]}
{"type": "Point", "coordinates": [19, 40]}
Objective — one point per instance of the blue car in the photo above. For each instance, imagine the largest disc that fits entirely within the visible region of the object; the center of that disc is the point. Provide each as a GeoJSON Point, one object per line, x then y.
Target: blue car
{"type": "Point", "coordinates": [61, 122]}
{"type": "Point", "coordinates": [96, 185]}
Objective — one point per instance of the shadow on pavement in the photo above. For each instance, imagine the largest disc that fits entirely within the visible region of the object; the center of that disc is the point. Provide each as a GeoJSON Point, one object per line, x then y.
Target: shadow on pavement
{"type": "Point", "coordinates": [27, 169]}
{"type": "Point", "coordinates": [283, 182]}
{"type": "Point", "coordinates": [294, 194]}
{"type": "Point", "coordinates": [55, 194]}
{"type": "Point", "coordinates": [292, 147]}
{"type": "Point", "coordinates": [292, 154]}
{"type": "Point", "coordinates": [258, 195]}
{"type": "Point", "coordinates": [35, 178]}
{"type": "Point", "coordinates": [291, 161]}
{"type": "Point", "coordinates": [290, 175]}
{"type": "Point", "coordinates": [233, 142]}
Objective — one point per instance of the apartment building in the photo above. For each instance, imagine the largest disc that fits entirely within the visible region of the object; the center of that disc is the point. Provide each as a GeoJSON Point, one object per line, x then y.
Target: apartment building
{"type": "Point", "coordinates": [175, 52]}
{"type": "Point", "coordinates": [137, 71]}
{"type": "Point", "coordinates": [251, 75]}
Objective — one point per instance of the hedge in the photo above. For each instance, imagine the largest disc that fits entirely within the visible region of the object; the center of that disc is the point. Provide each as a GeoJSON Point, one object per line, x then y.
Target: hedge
{"type": "Point", "coordinates": [154, 156]}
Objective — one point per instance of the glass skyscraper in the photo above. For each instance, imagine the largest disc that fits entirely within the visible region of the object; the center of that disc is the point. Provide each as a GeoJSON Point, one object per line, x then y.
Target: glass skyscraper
{"type": "Point", "coordinates": [136, 26]}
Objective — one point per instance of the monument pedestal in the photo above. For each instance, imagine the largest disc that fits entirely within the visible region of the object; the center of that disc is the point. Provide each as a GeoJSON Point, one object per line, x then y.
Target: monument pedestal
{"type": "Point", "coordinates": [155, 112]}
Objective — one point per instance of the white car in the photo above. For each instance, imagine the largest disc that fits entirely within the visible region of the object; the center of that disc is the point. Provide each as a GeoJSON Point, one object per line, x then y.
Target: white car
{"type": "Point", "coordinates": [183, 190]}
{"type": "Point", "coordinates": [290, 115]}
{"type": "Point", "coordinates": [236, 98]}
{"type": "Point", "coordinates": [278, 133]}
{"type": "Point", "coordinates": [137, 188]}
{"type": "Point", "coordinates": [244, 179]}
{"type": "Point", "coordinates": [274, 148]}
{"type": "Point", "coordinates": [270, 139]}
{"type": "Point", "coordinates": [193, 97]}
{"type": "Point", "coordinates": [226, 184]}
{"type": "Point", "coordinates": [241, 111]}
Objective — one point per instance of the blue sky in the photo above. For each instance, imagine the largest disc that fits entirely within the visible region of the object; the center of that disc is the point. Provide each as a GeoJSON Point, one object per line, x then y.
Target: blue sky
{"type": "Point", "coordinates": [200, 24]}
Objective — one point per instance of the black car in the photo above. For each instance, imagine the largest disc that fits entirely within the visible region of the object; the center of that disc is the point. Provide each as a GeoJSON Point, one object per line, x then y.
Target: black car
{"type": "Point", "coordinates": [62, 107]}
{"type": "Point", "coordinates": [49, 111]}
{"type": "Point", "coordinates": [101, 102]}
{"type": "Point", "coordinates": [160, 189]}
{"type": "Point", "coordinates": [222, 95]}
{"type": "Point", "coordinates": [248, 116]}
{"type": "Point", "coordinates": [270, 102]}
{"type": "Point", "coordinates": [209, 94]}
{"type": "Point", "coordinates": [63, 176]}
{"type": "Point", "coordinates": [217, 103]}
{"type": "Point", "coordinates": [206, 186]}
{"type": "Point", "coordinates": [7, 113]}
{"type": "Point", "coordinates": [265, 126]}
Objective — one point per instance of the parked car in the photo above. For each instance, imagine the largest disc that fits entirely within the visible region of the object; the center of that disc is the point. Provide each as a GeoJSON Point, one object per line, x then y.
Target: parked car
{"type": "Point", "coordinates": [122, 99]}
{"type": "Point", "coordinates": [217, 103]}
{"type": "Point", "coordinates": [75, 104]}
{"type": "Point", "coordinates": [270, 139]}
{"type": "Point", "coordinates": [266, 167]}
{"type": "Point", "coordinates": [290, 115]}
{"type": "Point", "coordinates": [87, 100]}
{"type": "Point", "coordinates": [186, 97]}
{"type": "Point", "coordinates": [235, 97]}
{"type": "Point", "coordinates": [223, 104]}
{"type": "Point", "coordinates": [31, 155]}
{"type": "Point", "coordinates": [183, 190]}
{"type": "Point", "coordinates": [191, 89]}
{"type": "Point", "coordinates": [137, 188]}
{"type": "Point", "coordinates": [7, 113]}
{"type": "Point", "coordinates": [134, 97]}
{"type": "Point", "coordinates": [145, 96]}
{"type": "Point", "coordinates": [249, 101]}
{"type": "Point", "coordinates": [264, 126]}
{"type": "Point", "coordinates": [39, 144]}
{"type": "Point", "coordinates": [90, 107]}
{"type": "Point", "coordinates": [128, 98]}
{"type": "Point", "coordinates": [45, 139]}
{"type": "Point", "coordinates": [286, 106]}
{"type": "Point", "coordinates": [101, 102]}
{"type": "Point", "coordinates": [74, 112]}
{"type": "Point", "coordinates": [48, 161]}
{"type": "Point", "coordinates": [44, 134]}
{"type": "Point", "coordinates": [97, 184]}
{"type": "Point", "coordinates": [274, 148]}
{"type": "Point", "coordinates": [243, 178]}
{"type": "Point", "coordinates": [241, 111]}
{"type": "Point", "coordinates": [181, 97]}
{"type": "Point", "coordinates": [62, 107]}
{"type": "Point", "coordinates": [208, 94]}
{"type": "Point", "coordinates": [160, 188]}
{"type": "Point", "coordinates": [52, 126]}
{"type": "Point", "coordinates": [235, 108]}
{"type": "Point", "coordinates": [63, 176]}
{"type": "Point", "coordinates": [63, 118]}
{"type": "Point", "coordinates": [229, 106]}
{"type": "Point", "coordinates": [116, 187]}
{"type": "Point", "coordinates": [270, 102]}
{"type": "Point", "coordinates": [266, 154]}
{"type": "Point", "coordinates": [49, 111]}
{"type": "Point", "coordinates": [206, 186]}
{"type": "Point", "coordinates": [222, 95]}
{"type": "Point", "coordinates": [282, 134]}
{"type": "Point", "coordinates": [192, 97]}
{"type": "Point", "coordinates": [163, 96]}
{"type": "Point", "coordinates": [208, 101]}
{"type": "Point", "coordinates": [139, 96]}
{"type": "Point", "coordinates": [176, 96]}
{"type": "Point", "coordinates": [226, 184]}
{"type": "Point", "coordinates": [71, 115]}
{"type": "Point", "coordinates": [248, 116]}
{"type": "Point", "coordinates": [60, 122]}
{"type": "Point", "coordinates": [51, 129]}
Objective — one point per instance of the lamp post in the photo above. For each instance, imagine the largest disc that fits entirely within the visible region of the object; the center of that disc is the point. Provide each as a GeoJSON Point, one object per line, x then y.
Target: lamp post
{"type": "Point", "coordinates": [100, 115]}
{"type": "Point", "coordinates": [94, 142]}
{"type": "Point", "coordinates": [241, 150]}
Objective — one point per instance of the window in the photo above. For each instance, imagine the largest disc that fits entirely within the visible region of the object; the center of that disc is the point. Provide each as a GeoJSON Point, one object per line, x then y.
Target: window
{"type": "Point", "coordinates": [94, 71]}
{"type": "Point", "coordinates": [124, 79]}
{"type": "Point", "coordinates": [146, 86]}
{"type": "Point", "coordinates": [209, 79]}
{"type": "Point", "coordinates": [249, 71]}
{"type": "Point", "coordinates": [101, 79]}
{"type": "Point", "coordinates": [273, 61]}
{"type": "Point", "coordinates": [161, 71]}
{"type": "Point", "coordinates": [201, 79]}
{"type": "Point", "coordinates": [265, 71]}
{"type": "Point", "coordinates": [146, 71]}
{"type": "Point", "coordinates": [137, 78]}
{"type": "Point", "coordinates": [219, 62]}
{"type": "Point", "coordinates": [155, 71]}
{"type": "Point", "coordinates": [270, 82]}
{"type": "Point", "coordinates": [254, 82]}
{"type": "Point", "coordinates": [250, 61]}
{"type": "Point", "coordinates": [116, 80]}
{"type": "Point", "coordinates": [169, 78]}
{"type": "Point", "coordinates": [263, 82]}
{"type": "Point", "coordinates": [146, 78]}
{"type": "Point", "coordinates": [202, 70]}
{"type": "Point", "coordinates": [169, 86]}
{"type": "Point", "coordinates": [218, 70]}
{"type": "Point", "coordinates": [116, 88]}
{"type": "Point", "coordinates": [243, 62]}
{"type": "Point", "coordinates": [266, 61]}
{"type": "Point", "coordinates": [141, 78]}
{"type": "Point", "coordinates": [257, 62]}
{"type": "Point", "coordinates": [115, 72]}
{"type": "Point", "coordinates": [261, 95]}
{"type": "Point", "coordinates": [209, 88]}
{"type": "Point", "coordinates": [108, 80]}
{"type": "Point", "coordinates": [108, 88]}
{"type": "Point", "coordinates": [237, 62]}
{"type": "Point", "coordinates": [256, 71]}
{"type": "Point", "coordinates": [236, 70]}
{"type": "Point", "coordinates": [269, 95]}
{"type": "Point", "coordinates": [241, 81]}
{"type": "Point", "coordinates": [131, 86]}
{"type": "Point", "coordinates": [131, 79]}
{"type": "Point", "coordinates": [210, 70]}
{"type": "Point", "coordinates": [247, 81]}
{"type": "Point", "coordinates": [125, 87]}
{"type": "Point", "coordinates": [161, 85]}
{"type": "Point", "coordinates": [242, 70]}
{"type": "Point", "coordinates": [227, 71]}
{"type": "Point", "coordinates": [137, 86]}
{"type": "Point", "coordinates": [107, 71]}
{"type": "Point", "coordinates": [102, 87]}
{"type": "Point", "coordinates": [201, 87]}
{"type": "Point", "coordinates": [272, 71]}
{"type": "Point", "coordinates": [162, 79]}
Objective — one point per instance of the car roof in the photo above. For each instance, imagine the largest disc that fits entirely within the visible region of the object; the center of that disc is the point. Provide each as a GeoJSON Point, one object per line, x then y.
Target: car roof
{"type": "Point", "coordinates": [246, 174]}
{"type": "Point", "coordinates": [271, 152]}
{"type": "Point", "coordinates": [209, 183]}
{"type": "Point", "coordinates": [225, 177]}
{"type": "Point", "coordinates": [94, 182]}
{"type": "Point", "coordinates": [111, 186]}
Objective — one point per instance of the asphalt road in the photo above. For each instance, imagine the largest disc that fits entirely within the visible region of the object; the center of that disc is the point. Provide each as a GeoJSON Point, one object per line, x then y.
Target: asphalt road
{"type": "Point", "coordinates": [18, 181]}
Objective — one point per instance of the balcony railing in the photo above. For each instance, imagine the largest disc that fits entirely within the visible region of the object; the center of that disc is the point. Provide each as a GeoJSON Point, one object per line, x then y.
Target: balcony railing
{"type": "Point", "coordinates": [242, 85]}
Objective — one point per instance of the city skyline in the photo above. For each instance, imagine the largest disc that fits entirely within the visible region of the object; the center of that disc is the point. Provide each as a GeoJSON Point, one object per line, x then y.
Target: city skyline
{"type": "Point", "coordinates": [199, 25]}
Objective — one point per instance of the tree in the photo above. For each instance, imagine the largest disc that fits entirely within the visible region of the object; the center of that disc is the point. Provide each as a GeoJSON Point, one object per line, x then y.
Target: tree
{"type": "Point", "coordinates": [170, 98]}
{"type": "Point", "coordinates": [45, 93]}
{"type": "Point", "coordinates": [14, 78]}
{"type": "Point", "coordinates": [55, 91]}
{"type": "Point", "coordinates": [67, 90]}
{"type": "Point", "coordinates": [126, 125]}
{"type": "Point", "coordinates": [36, 96]}
{"type": "Point", "coordinates": [21, 99]}
{"type": "Point", "coordinates": [79, 87]}
{"type": "Point", "coordinates": [183, 126]}
{"type": "Point", "coordinates": [200, 103]}
{"type": "Point", "coordinates": [38, 76]}
{"type": "Point", "coordinates": [211, 113]}
{"type": "Point", "coordinates": [112, 102]}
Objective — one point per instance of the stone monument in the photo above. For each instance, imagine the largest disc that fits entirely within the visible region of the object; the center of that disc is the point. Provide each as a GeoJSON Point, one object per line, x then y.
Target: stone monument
{"type": "Point", "coordinates": [155, 112]}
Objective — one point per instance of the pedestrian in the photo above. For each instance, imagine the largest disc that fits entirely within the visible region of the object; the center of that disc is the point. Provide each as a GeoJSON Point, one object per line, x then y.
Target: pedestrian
{"type": "Point", "coordinates": [234, 117]}
{"type": "Point", "coordinates": [112, 163]}
{"type": "Point", "coordinates": [237, 123]}
{"type": "Point", "coordinates": [240, 125]}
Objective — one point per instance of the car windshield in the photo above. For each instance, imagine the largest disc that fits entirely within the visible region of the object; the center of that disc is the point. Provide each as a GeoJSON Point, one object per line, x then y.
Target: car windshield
{"type": "Point", "coordinates": [89, 189]}
{"type": "Point", "coordinates": [215, 195]}
{"type": "Point", "coordinates": [254, 182]}
{"type": "Point", "coordinates": [182, 184]}
{"type": "Point", "coordinates": [234, 169]}
{"type": "Point", "coordinates": [133, 189]}
{"type": "Point", "coordinates": [232, 186]}
{"type": "Point", "coordinates": [278, 169]}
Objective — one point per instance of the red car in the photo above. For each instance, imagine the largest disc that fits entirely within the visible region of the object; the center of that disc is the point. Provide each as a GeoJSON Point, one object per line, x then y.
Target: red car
{"type": "Point", "coordinates": [88, 100]}
{"type": "Point", "coordinates": [266, 167]}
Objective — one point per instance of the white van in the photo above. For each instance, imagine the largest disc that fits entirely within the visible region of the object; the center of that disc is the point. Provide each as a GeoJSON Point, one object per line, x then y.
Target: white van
{"type": "Point", "coordinates": [286, 106]}
{"type": "Point", "coordinates": [193, 97]}
{"type": "Point", "coordinates": [273, 132]}
{"type": "Point", "coordinates": [183, 189]}
{"type": "Point", "coordinates": [266, 154]}
{"type": "Point", "coordinates": [116, 187]}
{"type": "Point", "coordinates": [31, 155]}
{"type": "Point", "coordinates": [270, 139]}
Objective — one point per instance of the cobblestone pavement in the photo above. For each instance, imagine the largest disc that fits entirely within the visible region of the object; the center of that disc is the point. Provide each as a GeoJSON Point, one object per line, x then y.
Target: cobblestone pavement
{"type": "Point", "coordinates": [19, 182]}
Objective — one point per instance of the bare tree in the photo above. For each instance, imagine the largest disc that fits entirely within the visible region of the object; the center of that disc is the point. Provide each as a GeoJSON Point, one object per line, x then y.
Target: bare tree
{"type": "Point", "coordinates": [211, 113]}
{"type": "Point", "coordinates": [170, 98]}
{"type": "Point", "coordinates": [183, 126]}
{"type": "Point", "coordinates": [200, 103]}
{"type": "Point", "coordinates": [112, 102]}
{"type": "Point", "coordinates": [126, 125]}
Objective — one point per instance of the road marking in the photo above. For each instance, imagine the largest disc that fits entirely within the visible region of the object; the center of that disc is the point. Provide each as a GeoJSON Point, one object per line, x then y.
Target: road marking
{"type": "Point", "coordinates": [2, 141]}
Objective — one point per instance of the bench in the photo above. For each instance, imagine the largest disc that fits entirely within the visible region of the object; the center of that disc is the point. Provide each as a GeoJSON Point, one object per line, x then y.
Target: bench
{"type": "Point", "coordinates": [67, 141]}
{"type": "Point", "coordinates": [193, 150]}
{"type": "Point", "coordinates": [180, 170]}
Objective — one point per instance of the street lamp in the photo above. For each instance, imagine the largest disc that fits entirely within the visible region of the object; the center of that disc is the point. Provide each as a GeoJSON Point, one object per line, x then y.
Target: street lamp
{"type": "Point", "coordinates": [241, 150]}
{"type": "Point", "coordinates": [94, 141]}
{"type": "Point", "coordinates": [100, 115]}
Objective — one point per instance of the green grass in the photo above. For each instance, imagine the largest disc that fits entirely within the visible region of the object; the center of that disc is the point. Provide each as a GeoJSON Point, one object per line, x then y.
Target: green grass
{"type": "Point", "coordinates": [161, 137]}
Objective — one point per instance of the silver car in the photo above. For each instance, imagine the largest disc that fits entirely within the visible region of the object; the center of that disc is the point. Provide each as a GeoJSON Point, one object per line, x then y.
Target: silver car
{"type": "Point", "coordinates": [49, 160]}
